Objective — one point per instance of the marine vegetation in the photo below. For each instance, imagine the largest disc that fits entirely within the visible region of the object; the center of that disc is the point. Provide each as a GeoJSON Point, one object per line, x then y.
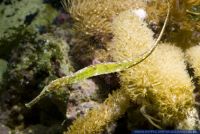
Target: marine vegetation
{"type": "Point", "coordinates": [184, 24]}
{"type": "Point", "coordinates": [112, 63]}
{"type": "Point", "coordinates": [156, 81]}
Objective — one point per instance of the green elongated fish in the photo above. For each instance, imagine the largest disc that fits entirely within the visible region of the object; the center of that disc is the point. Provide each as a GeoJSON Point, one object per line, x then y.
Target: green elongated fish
{"type": "Point", "coordinates": [97, 69]}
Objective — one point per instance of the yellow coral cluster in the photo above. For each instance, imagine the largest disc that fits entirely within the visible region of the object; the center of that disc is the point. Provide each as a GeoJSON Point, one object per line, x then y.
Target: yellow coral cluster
{"type": "Point", "coordinates": [160, 83]}
{"type": "Point", "coordinates": [93, 17]}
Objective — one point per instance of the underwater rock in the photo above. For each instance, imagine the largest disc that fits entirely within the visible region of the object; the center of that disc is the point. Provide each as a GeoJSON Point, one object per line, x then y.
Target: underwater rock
{"type": "Point", "coordinates": [41, 129]}
{"type": "Point", "coordinates": [19, 35]}
{"type": "Point", "coordinates": [85, 95]}
{"type": "Point", "coordinates": [32, 64]}
{"type": "Point", "coordinates": [20, 20]}
{"type": "Point", "coordinates": [81, 99]}
{"type": "Point", "coordinates": [4, 129]}
{"type": "Point", "coordinates": [96, 120]}
{"type": "Point", "coordinates": [33, 13]}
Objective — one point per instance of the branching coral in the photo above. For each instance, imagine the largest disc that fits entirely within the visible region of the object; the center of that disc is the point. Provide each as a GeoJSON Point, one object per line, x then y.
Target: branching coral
{"type": "Point", "coordinates": [94, 17]}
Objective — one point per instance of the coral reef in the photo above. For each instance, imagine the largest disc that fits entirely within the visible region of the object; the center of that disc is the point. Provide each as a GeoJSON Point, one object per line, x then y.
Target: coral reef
{"type": "Point", "coordinates": [164, 99]}
{"type": "Point", "coordinates": [82, 98]}
{"type": "Point", "coordinates": [19, 18]}
{"type": "Point", "coordinates": [140, 83]}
